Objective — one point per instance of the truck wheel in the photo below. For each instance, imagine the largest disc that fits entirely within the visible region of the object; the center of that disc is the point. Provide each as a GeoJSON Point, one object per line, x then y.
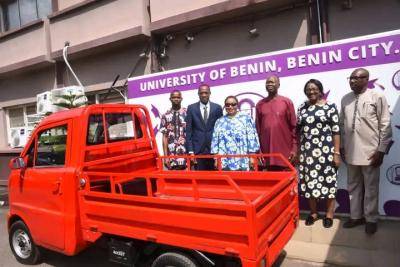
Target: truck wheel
{"type": "Point", "coordinates": [22, 245]}
{"type": "Point", "coordinates": [174, 259]}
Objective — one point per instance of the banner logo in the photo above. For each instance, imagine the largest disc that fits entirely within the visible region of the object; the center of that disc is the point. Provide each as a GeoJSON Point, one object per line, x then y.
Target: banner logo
{"type": "Point", "coordinates": [396, 80]}
{"type": "Point", "coordinates": [393, 174]}
{"type": "Point", "coordinates": [248, 102]}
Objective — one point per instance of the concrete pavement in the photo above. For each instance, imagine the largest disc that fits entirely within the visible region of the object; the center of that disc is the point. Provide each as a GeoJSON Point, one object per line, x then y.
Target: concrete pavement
{"type": "Point", "coordinates": [347, 247]}
{"type": "Point", "coordinates": [95, 256]}
{"type": "Point", "coordinates": [91, 257]}
{"type": "Point", "coordinates": [3, 196]}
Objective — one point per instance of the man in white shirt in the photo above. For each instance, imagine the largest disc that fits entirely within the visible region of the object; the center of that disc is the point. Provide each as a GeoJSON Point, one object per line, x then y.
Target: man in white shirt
{"type": "Point", "coordinates": [366, 137]}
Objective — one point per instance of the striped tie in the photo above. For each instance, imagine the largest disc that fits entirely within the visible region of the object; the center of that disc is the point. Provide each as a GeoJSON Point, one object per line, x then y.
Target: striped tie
{"type": "Point", "coordinates": [205, 114]}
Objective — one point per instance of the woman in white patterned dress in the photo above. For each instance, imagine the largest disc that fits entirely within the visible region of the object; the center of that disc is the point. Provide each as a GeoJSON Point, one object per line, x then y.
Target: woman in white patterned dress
{"type": "Point", "coordinates": [319, 157]}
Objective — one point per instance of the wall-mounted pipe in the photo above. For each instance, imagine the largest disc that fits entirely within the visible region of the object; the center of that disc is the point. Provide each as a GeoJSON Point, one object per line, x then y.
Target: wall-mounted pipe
{"type": "Point", "coordinates": [319, 22]}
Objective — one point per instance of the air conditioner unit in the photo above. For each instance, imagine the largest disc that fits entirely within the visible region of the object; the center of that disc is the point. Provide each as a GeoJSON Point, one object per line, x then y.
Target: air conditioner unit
{"type": "Point", "coordinates": [44, 103]}
{"type": "Point", "coordinates": [19, 136]}
{"type": "Point", "coordinates": [77, 91]}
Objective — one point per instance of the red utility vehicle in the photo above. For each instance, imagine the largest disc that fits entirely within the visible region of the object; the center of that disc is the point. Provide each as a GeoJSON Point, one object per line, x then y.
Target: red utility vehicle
{"type": "Point", "coordinates": [94, 174]}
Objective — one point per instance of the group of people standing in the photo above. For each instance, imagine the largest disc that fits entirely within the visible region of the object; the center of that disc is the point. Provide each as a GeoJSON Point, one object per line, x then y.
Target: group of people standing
{"type": "Point", "coordinates": [316, 141]}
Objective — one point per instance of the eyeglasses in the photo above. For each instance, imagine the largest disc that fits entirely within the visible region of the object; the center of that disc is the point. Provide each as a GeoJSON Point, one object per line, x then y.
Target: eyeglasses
{"type": "Point", "coordinates": [309, 90]}
{"type": "Point", "coordinates": [230, 105]}
{"type": "Point", "coordinates": [357, 78]}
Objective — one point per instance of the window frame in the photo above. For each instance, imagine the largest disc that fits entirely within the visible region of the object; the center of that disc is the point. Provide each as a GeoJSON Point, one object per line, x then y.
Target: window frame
{"type": "Point", "coordinates": [25, 114]}
{"type": "Point", "coordinates": [88, 129]}
{"type": "Point", "coordinates": [63, 127]}
{"type": "Point", "coordinates": [108, 126]}
{"type": "Point", "coordinates": [4, 20]}
{"type": "Point", "coordinates": [2, 26]}
{"type": "Point", "coordinates": [136, 131]}
{"type": "Point", "coordinates": [32, 145]}
{"type": "Point", "coordinates": [44, 128]}
{"type": "Point", "coordinates": [113, 97]}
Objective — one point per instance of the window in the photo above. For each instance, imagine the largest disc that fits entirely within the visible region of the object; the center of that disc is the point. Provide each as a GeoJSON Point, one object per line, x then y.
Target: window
{"type": "Point", "coordinates": [105, 97]}
{"type": "Point", "coordinates": [138, 129]}
{"type": "Point", "coordinates": [17, 13]}
{"type": "Point", "coordinates": [51, 147]}
{"type": "Point", "coordinates": [30, 155]}
{"type": "Point", "coordinates": [17, 118]}
{"type": "Point", "coordinates": [20, 121]}
{"type": "Point", "coordinates": [21, 116]}
{"type": "Point", "coordinates": [95, 134]}
{"type": "Point", "coordinates": [120, 127]}
{"type": "Point", "coordinates": [91, 99]}
{"type": "Point", "coordinates": [111, 97]}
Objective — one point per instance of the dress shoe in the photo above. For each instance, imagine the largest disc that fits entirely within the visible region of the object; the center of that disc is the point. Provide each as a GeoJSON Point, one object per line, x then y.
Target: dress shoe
{"type": "Point", "coordinates": [370, 228]}
{"type": "Point", "coordinates": [353, 223]}
{"type": "Point", "coordinates": [311, 219]}
{"type": "Point", "coordinates": [327, 222]}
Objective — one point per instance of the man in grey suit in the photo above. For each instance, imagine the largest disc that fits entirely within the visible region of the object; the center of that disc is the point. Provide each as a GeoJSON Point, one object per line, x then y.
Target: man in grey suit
{"type": "Point", "coordinates": [200, 120]}
{"type": "Point", "coordinates": [366, 137]}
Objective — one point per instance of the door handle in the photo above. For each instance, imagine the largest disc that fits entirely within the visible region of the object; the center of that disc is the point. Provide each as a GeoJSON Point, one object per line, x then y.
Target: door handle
{"type": "Point", "coordinates": [57, 188]}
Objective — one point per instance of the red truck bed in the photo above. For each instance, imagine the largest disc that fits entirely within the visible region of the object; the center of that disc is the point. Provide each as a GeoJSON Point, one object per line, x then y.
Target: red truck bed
{"type": "Point", "coordinates": [241, 214]}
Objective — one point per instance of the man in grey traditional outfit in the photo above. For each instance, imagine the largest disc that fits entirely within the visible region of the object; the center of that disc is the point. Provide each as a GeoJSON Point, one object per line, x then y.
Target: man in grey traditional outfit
{"type": "Point", "coordinates": [366, 137]}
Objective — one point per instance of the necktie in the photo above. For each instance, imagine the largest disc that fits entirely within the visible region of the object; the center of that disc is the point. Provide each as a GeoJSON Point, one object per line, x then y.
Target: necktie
{"type": "Point", "coordinates": [205, 114]}
{"type": "Point", "coordinates": [353, 126]}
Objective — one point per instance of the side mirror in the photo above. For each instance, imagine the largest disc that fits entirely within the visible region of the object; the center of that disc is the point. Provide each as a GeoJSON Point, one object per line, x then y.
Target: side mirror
{"type": "Point", "coordinates": [17, 163]}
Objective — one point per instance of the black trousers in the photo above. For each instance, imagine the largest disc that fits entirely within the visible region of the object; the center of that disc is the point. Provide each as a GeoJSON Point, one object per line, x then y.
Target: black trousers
{"type": "Point", "coordinates": [205, 165]}
{"type": "Point", "coordinates": [276, 168]}
{"type": "Point", "coordinates": [178, 168]}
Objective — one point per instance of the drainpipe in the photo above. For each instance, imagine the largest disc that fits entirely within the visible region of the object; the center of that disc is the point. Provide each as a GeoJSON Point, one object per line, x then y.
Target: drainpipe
{"type": "Point", "coordinates": [318, 21]}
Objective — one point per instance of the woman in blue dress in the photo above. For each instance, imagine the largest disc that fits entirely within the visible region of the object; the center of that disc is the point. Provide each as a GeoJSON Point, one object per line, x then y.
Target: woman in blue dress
{"type": "Point", "coordinates": [235, 134]}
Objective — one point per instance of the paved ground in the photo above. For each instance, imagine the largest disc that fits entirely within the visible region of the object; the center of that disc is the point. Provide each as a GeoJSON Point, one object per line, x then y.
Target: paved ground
{"type": "Point", "coordinates": [3, 196]}
{"type": "Point", "coordinates": [91, 257]}
{"type": "Point", "coordinates": [94, 256]}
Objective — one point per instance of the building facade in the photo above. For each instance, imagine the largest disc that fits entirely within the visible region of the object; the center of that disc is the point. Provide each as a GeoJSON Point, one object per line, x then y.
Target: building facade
{"type": "Point", "coordinates": [121, 38]}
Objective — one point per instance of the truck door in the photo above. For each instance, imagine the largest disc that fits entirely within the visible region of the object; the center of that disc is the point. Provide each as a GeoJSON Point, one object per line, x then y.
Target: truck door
{"type": "Point", "coordinates": [41, 188]}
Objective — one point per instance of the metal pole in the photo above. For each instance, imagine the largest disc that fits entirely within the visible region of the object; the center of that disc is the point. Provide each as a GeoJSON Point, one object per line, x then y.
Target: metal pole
{"type": "Point", "coordinates": [319, 22]}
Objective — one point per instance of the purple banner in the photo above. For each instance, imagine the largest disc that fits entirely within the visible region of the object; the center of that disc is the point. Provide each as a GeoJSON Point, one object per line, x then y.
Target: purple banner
{"type": "Point", "coordinates": [325, 57]}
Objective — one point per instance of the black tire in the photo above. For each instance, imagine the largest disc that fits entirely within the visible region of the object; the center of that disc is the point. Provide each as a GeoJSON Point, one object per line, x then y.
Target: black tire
{"type": "Point", "coordinates": [174, 259]}
{"type": "Point", "coordinates": [22, 245]}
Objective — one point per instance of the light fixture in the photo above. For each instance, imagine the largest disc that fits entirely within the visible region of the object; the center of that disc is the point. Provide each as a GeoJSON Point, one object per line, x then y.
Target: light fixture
{"type": "Point", "coordinates": [169, 37]}
{"type": "Point", "coordinates": [253, 32]}
{"type": "Point", "coordinates": [347, 4]}
{"type": "Point", "coordinates": [163, 52]}
{"type": "Point", "coordinates": [162, 48]}
{"type": "Point", "coordinates": [145, 52]}
{"type": "Point", "coordinates": [189, 37]}
{"type": "Point", "coordinates": [143, 55]}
